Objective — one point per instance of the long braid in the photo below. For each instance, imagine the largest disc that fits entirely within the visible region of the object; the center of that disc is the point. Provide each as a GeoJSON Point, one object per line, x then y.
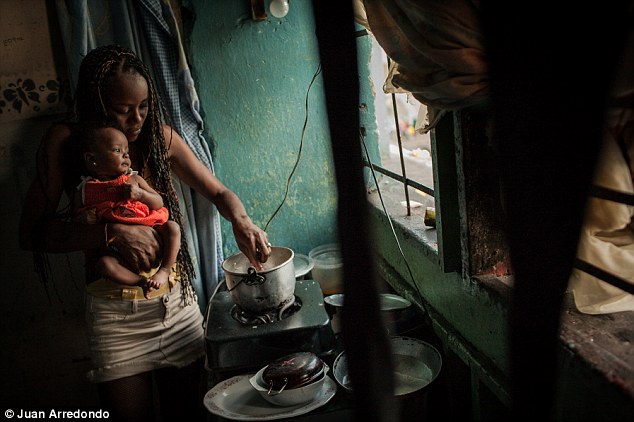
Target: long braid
{"type": "Point", "coordinates": [98, 70]}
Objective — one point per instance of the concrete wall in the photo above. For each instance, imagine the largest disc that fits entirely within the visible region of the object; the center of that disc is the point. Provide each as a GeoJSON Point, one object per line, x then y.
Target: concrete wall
{"type": "Point", "coordinates": [44, 353]}
{"type": "Point", "coordinates": [252, 78]}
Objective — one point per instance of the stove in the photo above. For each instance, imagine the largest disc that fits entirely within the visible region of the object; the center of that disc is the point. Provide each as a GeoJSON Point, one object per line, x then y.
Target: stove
{"type": "Point", "coordinates": [237, 342]}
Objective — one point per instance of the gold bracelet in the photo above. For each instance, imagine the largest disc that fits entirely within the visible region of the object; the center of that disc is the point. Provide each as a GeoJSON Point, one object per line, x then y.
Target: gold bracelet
{"type": "Point", "coordinates": [109, 239]}
{"type": "Point", "coordinates": [105, 235]}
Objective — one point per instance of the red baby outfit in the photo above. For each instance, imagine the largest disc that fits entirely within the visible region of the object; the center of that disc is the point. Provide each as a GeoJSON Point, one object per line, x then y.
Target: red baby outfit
{"type": "Point", "coordinates": [105, 198]}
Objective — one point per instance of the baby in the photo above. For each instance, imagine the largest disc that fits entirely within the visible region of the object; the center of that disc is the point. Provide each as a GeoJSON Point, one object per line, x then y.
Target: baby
{"type": "Point", "coordinates": [114, 193]}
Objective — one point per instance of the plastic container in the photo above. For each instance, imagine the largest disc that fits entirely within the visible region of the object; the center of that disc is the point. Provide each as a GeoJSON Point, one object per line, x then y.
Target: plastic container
{"type": "Point", "coordinates": [328, 268]}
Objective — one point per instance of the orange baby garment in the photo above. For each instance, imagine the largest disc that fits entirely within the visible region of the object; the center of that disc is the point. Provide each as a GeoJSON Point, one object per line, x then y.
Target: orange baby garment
{"type": "Point", "coordinates": [105, 198]}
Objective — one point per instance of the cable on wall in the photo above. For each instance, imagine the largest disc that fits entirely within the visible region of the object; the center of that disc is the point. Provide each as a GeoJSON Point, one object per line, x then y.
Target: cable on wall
{"type": "Point", "coordinates": [299, 154]}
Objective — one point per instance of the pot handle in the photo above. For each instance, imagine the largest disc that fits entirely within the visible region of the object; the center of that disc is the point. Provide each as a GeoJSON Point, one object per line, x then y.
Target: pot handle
{"type": "Point", "coordinates": [274, 393]}
{"type": "Point", "coordinates": [253, 278]}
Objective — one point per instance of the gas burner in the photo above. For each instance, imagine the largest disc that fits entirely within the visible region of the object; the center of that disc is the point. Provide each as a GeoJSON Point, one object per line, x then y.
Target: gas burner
{"type": "Point", "coordinates": [248, 318]}
{"type": "Point", "coordinates": [234, 347]}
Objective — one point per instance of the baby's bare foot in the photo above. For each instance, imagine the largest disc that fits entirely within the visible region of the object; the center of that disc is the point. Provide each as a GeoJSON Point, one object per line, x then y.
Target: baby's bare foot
{"type": "Point", "coordinates": [159, 278]}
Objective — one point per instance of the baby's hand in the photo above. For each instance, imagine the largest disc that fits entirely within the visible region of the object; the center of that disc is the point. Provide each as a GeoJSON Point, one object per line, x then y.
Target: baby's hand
{"type": "Point", "coordinates": [131, 191]}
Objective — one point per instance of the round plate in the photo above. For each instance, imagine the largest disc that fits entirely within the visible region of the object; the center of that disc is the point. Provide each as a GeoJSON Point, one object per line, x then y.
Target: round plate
{"type": "Point", "coordinates": [390, 302]}
{"type": "Point", "coordinates": [303, 264]}
{"type": "Point", "coordinates": [236, 399]}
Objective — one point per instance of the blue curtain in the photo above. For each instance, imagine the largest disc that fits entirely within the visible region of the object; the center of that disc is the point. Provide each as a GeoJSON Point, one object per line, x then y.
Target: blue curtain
{"type": "Point", "coordinates": [149, 28]}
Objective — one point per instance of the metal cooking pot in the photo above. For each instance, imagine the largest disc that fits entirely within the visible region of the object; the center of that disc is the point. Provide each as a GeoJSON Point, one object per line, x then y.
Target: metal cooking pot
{"type": "Point", "coordinates": [396, 310]}
{"type": "Point", "coordinates": [260, 292]}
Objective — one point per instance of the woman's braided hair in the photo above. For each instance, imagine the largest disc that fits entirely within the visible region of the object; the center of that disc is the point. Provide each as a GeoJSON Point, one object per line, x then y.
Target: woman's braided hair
{"type": "Point", "coordinates": [97, 74]}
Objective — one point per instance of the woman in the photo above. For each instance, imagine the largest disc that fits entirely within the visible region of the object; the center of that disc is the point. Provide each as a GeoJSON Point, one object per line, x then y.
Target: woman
{"type": "Point", "coordinates": [133, 341]}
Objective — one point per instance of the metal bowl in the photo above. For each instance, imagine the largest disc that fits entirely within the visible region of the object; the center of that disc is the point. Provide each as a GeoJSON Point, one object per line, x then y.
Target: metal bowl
{"type": "Point", "coordinates": [416, 365]}
{"type": "Point", "coordinates": [340, 371]}
{"type": "Point", "coordinates": [260, 292]}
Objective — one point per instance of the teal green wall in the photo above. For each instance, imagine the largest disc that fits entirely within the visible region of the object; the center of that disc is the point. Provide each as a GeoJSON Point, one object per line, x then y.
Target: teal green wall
{"type": "Point", "coordinates": [252, 78]}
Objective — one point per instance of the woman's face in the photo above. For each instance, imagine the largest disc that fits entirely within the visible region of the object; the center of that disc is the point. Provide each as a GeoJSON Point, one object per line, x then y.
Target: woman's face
{"type": "Point", "coordinates": [128, 103]}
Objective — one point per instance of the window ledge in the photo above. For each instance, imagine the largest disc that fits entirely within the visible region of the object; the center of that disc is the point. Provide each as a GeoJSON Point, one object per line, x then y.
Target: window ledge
{"type": "Point", "coordinates": [599, 346]}
{"type": "Point", "coordinates": [601, 343]}
{"type": "Point", "coordinates": [604, 342]}
{"type": "Point", "coordinates": [412, 224]}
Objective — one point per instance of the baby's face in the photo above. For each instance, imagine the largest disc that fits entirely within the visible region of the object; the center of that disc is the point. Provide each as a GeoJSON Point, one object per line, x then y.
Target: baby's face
{"type": "Point", "coordinates": [110, 156]}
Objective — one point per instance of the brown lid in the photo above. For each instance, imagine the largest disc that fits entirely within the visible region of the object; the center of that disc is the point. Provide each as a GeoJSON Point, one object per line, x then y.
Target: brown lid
{"type": "Point", "coordinates": [293, 371]}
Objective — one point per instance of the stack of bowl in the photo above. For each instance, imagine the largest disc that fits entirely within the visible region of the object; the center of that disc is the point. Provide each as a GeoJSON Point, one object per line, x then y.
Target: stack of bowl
{"type": "Point", "coordinates": [291, 380]}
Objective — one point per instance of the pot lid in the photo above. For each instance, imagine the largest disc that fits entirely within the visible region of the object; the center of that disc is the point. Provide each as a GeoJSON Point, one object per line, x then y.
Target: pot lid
{"type": "Point", "coordinates": [303, 264]}
{"type": "Point", "coordinates": [292, 371]}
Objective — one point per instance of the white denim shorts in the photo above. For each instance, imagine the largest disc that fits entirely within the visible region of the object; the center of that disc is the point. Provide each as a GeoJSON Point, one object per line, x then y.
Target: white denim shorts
{"type": "Point", "coordinates": [129, 337]}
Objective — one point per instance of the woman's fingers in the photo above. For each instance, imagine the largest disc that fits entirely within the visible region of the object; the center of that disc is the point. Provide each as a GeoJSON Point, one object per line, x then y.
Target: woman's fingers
{"type": "Point", "coordinates": [139, 246]}
{"type": "Point", "coordinates": [263, 247]}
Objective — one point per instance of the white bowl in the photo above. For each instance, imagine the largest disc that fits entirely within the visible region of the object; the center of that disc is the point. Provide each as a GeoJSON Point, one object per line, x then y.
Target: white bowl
{"type": "Point", "coordinates": [291, 397]}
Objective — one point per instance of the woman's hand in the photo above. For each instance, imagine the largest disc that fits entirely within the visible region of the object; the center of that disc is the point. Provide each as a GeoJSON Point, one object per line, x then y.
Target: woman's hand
{"type": "Point", "coordinates": [252, 241]}
{"type": "Point", "coordinates": [138, 246]}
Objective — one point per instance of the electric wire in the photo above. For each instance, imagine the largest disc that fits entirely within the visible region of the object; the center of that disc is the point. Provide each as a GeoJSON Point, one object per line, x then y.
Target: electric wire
{"type": "Point", "coordinates": [211, 298]}
{"type": "Point", "coordinates": [389, 219]}
{"type": "Point", "coordinates": [299, 153]}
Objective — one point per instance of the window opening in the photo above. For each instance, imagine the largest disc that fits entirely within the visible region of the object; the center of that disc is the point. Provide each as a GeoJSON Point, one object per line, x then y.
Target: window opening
{"type": "Point", "coordinates": [405, 152]}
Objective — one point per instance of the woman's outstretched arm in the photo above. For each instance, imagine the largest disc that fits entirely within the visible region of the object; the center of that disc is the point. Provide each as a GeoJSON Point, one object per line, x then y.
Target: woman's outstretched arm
{"type": "Point", "coordinates": [251, 240]}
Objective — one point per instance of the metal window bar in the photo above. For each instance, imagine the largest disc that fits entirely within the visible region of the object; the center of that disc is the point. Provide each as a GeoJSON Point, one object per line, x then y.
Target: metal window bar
{"type": "Point", "coordinates": [614, 196]}
{"type": "Point", "coordinates": [398, 177]}
{"type": "Point", "coordinates": [609, 278]}
{"type": "Point", "coordinates": [400, 149]}
{"type": "Point", "coordinates": [403, 176]}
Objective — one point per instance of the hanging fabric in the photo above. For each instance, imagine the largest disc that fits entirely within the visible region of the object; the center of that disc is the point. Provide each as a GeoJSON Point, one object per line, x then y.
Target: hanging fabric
{"type": "Point", "coordinates": [607, 235]}
{"type": "Point", "coordinates": [86, 24]}
{"type": "Point", "coordinates": [174, 81]}
{"type": "Point", "coordinates": [436, 48]}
